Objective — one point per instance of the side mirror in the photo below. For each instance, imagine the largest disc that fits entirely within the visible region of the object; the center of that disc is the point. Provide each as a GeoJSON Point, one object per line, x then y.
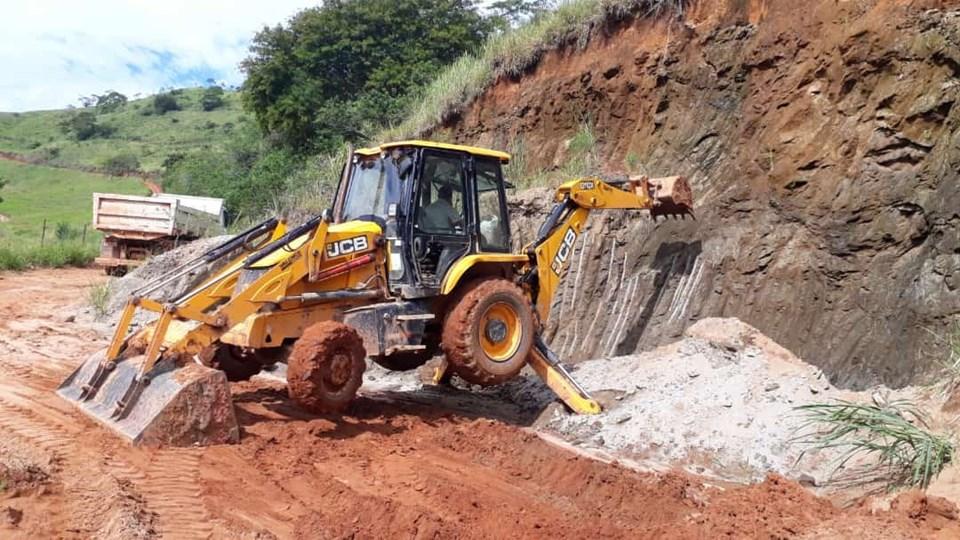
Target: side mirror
{"type": "Point", "coordinates": [326, 215]}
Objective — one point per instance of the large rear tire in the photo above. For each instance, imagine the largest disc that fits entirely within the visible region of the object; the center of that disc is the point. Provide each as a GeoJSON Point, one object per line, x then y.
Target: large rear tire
{"type": "Point", "coordinates": [325, 369]}
{"type": "Point", "coordinates": [488, 333]}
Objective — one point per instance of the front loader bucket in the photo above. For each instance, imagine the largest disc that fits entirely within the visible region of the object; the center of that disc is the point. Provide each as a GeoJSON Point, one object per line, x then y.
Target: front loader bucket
{"type": "Point", "coordinates": [181, 406]}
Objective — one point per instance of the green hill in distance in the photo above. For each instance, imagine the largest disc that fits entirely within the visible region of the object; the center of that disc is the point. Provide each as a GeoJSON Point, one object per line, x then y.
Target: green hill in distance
{"type": "Point", "coordinates": [137, 130]}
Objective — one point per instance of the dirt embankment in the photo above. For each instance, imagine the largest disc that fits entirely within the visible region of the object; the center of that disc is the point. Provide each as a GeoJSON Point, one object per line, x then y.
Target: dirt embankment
{"type": "Point", "coordinates": [821, 139]}
{"type": "Point", "coordinates": [389, 467]}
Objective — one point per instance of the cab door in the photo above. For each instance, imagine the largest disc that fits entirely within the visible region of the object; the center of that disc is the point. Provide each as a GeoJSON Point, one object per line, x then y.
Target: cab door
{"type": "Point", "coordinates": [443, 222]}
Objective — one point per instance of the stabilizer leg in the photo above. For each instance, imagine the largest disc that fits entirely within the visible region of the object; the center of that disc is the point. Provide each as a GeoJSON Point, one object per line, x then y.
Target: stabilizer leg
{"type": "Point", "coordinates": [552, 372]}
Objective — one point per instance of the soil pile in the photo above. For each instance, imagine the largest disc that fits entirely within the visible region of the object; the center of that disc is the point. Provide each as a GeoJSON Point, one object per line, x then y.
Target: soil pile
{"type": "Point", "coordinates": [821, 141]}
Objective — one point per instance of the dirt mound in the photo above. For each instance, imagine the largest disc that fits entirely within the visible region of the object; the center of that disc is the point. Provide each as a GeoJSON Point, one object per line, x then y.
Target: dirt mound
{"type": "Point", "coordinates": [820, 140]}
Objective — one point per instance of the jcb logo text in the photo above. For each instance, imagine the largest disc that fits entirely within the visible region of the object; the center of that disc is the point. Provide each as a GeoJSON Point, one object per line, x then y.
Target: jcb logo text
{"type": "Point", "coordinates": [346, 247]}
{"type": "Point", "coordinates": [566, 247]}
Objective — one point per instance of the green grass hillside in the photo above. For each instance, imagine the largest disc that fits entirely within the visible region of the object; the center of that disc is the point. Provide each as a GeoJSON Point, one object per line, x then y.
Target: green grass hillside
{"type": "Point", "coordinates": [139, 131]}
{"type": "Point", "coordinates": [34, 193]}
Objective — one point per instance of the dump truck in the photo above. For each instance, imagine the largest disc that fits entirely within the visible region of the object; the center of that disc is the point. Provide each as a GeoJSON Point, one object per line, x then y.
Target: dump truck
{"type": "Point", "coordinates": [136, 227]}
{"type": "Point", "coordinates": [412, 261]}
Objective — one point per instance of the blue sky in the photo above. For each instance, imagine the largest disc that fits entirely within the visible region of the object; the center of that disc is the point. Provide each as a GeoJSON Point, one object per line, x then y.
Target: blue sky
{"type": "Point", "coordinates": [54, 51]}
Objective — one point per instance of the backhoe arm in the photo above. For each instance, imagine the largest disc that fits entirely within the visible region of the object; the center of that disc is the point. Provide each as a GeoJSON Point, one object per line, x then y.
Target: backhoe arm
{"type": "Point", "coordinates": [574, 201]}
{"type": "Point", "coordinates": [554, 244]}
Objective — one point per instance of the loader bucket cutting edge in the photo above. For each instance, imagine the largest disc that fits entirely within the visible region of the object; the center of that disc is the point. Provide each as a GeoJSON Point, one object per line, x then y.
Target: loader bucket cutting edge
{"type": "Point", "coordinates": [181, 406]}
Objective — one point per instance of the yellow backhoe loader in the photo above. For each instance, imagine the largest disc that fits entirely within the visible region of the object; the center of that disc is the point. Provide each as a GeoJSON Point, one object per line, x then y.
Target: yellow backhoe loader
{"type": "Point", "coordinates": [413, 260]}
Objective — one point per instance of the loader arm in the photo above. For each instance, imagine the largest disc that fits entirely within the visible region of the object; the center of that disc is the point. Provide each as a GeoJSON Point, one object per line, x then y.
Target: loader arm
{"type": "Point", "coordinates": [552, 250]}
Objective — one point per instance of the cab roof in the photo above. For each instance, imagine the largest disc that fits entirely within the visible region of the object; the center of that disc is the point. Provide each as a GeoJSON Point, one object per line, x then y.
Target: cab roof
{"type": "Point", "coordinates": [474, 150]}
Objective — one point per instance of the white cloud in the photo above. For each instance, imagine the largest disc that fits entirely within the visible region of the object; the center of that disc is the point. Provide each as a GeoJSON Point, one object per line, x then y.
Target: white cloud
{"type": "Point", "coordinates": [53, 51]}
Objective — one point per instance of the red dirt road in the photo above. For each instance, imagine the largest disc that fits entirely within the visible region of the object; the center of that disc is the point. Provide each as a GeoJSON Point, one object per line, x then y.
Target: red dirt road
{"type": "Point", "coordinates": [383, 469]}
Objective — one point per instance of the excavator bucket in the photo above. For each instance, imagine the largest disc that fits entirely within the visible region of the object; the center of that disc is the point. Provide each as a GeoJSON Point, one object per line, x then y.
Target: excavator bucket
{"type": "Point", "coordinates": [178, 406]}
{"type": "Point", "coordinates": [672, 196]}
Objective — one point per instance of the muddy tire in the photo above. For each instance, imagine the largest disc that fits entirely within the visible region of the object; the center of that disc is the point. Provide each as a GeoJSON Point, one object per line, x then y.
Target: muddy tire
{"type": "Point", "coordinates": [325, 369]}
{"type": "Point", "coordinates": [488, 332]}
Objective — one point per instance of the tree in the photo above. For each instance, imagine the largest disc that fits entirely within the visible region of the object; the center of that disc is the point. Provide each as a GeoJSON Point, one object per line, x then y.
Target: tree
{"type": "Point", "coordinates": [121, 164]}
{"type": "Point", "coordinates": [506, 14]}
{"type": "Point", "coordinates": [110, 101]}
{"type": "Point", "coordinates": [345, 50]}
{"type": "Point", "coordinates": [83, 126]}
{"type": "Point", "coordinates": [2, 183]}
{"type": "Point", "coordinates": [165, 102]}
{"type": "Point", "coordinates": [212, 98]}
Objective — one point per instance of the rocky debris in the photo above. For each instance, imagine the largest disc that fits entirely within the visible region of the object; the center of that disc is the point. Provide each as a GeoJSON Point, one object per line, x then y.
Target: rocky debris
{"type": "Point", "coordinates": [735, 420]}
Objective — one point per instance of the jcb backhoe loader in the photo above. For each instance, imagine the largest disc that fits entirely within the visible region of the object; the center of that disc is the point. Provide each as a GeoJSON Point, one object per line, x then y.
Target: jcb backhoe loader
{"type": "Point", "coordinates": [413, 260]}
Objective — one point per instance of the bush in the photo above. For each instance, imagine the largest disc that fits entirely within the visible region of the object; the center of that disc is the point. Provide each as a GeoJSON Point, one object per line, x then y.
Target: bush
{"type": "Point", "coordinates": [64, 231]}
{"type": "Point", "coordinates": [212, 98]}
{"type": "Point", "coordinates": [110, 101]}
{"type": "Point", "coordinates": [164, 103]}
{"type": "Point", "coordinates": [50, 256]}
{"type": "Point", "coordinates": [83, 126]}
{"type": "Point", "coordinates": [121, 164]}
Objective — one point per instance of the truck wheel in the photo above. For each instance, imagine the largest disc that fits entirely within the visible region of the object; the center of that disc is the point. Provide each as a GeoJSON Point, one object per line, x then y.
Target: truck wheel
{"type": "Point", "coordinates": [488, 333]}
{"type": "Point", "coordinates": [325, 369]}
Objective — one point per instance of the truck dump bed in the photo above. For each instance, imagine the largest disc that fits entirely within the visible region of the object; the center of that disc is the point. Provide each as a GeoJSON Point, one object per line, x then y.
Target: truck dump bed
{"type": "Point", "coordinates": [146, 218]}
{"type": "Point", "coordinates": [136, 227]}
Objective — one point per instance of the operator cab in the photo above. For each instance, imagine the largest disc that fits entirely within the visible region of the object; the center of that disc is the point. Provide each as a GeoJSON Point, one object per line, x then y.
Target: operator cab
{"type": "Point", "coordinates": [435, 202]}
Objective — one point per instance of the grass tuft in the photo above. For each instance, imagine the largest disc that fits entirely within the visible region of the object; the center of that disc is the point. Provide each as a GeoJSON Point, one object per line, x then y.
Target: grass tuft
{"type": "Point", "coordinates": [894, 433]}
{"type": "Point", "coordinates": [99, 297]}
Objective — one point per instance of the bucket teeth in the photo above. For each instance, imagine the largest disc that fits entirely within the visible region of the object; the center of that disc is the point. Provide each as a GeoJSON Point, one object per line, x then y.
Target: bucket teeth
{"type": "Point", "coordinates": [169, 406]}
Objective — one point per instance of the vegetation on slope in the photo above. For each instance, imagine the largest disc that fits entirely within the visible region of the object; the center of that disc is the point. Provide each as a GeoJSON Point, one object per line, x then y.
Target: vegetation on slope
{"type": "Point", "coordinates": [511, 53]}
{"type": "Point", "coordinates": [139, 132]}
{"type": "Point", "coordinates": [35, 193]}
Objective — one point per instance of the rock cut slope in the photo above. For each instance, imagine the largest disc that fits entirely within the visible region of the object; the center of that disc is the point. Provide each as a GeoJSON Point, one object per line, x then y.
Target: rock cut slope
{"type": "Point", "coordinates": [821, 139]}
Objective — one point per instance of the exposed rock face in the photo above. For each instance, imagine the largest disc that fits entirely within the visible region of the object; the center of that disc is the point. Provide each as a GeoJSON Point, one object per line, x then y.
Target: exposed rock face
{"type": "Point", "coordinates": [821, 140]}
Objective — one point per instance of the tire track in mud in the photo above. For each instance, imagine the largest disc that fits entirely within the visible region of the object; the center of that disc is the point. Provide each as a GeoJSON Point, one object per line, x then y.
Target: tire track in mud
{"type": "Point", "coordinates": [82, 483]}
{"type": "Point", "coordinates": [168, 486]}
{"type": "Point", "coordinates": [172, 489]}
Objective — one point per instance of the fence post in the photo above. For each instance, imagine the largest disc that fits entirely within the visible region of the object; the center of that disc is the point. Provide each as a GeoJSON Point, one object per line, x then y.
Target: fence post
{"type": "Point", "coordinates": [83, 236]}
{"type": "Point", "coordinates": [43, 233]}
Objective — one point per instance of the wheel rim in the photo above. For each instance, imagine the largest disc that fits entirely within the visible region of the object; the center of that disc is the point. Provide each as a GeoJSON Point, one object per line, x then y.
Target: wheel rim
{"type": "Point", "coordinates": [339, 373]}
{"type": "Point", "coordinates": [500, 332]}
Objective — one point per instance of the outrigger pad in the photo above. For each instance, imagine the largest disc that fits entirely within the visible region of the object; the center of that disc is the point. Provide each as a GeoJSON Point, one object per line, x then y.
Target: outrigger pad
{"type": "Point", "coordinates": [181, 406]}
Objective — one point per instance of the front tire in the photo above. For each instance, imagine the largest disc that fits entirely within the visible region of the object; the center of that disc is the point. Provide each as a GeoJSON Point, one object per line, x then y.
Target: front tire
{"type": "Point", "coordinates": [325, 369]}
{"type": "Point", "coordinates": [488, 333]}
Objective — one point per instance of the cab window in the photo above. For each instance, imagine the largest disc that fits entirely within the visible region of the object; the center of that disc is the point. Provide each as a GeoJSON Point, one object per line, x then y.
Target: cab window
{"type": "Point", "coordinates": [373, 185]}
{"type": "Point", "coordinates": [442, 202]}
{"type": "Point", "coordinates": [494, 235]}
